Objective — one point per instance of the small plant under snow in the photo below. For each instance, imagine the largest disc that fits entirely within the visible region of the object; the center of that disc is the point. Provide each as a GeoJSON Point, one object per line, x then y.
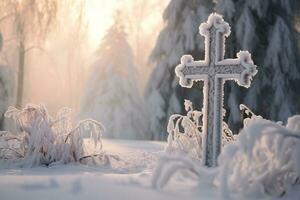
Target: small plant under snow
{"type": "Point", "coordinates": [185, 133]}
{"type": "Point", "coordinates": [40, 139]}
{"type": "Point", "coordinates": [264, 160]}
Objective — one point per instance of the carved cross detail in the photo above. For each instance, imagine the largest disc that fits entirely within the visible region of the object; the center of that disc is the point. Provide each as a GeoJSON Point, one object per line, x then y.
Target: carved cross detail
{"type": "Point", "coordinates": [214, 70]}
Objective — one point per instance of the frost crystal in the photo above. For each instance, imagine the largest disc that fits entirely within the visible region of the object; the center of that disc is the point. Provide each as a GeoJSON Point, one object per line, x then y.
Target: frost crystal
{"type": "Point", "coordinates": [214, 70]}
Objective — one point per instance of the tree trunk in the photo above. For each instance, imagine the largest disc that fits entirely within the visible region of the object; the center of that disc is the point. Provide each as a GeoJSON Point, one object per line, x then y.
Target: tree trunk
{"type": "Point", "coordinates": [21, 71]}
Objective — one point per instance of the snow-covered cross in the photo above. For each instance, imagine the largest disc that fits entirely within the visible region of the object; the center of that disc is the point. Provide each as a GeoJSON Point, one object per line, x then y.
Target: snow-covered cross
{"type": "Point", "coordinates": [214, 70]}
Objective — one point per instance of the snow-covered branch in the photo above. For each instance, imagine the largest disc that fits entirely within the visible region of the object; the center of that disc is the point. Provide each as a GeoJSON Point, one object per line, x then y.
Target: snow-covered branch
{"type": "Point", "coordinates": [185, 133]}
{"type": "Point", "coordinates": [43, 140]}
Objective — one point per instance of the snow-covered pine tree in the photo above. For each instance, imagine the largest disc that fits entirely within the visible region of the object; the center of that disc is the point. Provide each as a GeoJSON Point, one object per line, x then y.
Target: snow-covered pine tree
{"type": "Point", "coordinates": [180, 36]}
{"type": "Point", "coordinates": [112, 95]}
{"type": "Point", "coordinates": [265, 29]}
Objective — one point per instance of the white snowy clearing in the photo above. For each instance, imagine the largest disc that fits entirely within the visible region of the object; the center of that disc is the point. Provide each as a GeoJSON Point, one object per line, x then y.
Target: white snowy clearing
{"type": "Point", "coordinates": [128, 177]}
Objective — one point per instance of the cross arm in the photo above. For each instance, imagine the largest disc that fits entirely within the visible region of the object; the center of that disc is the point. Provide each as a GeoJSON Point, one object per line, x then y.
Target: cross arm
{"type": "Point", "coordinates": [189, 70]}
{"type": "Point", "coordinates": [240, 69]}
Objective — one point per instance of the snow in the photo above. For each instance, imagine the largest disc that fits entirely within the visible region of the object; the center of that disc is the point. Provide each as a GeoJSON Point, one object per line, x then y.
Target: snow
{"type": "Point", "coordinates": [142, 170]}
{"type": "Point", "coordinates": [129, 180]}
{"type": "Point", "coordinates": [264, 161]}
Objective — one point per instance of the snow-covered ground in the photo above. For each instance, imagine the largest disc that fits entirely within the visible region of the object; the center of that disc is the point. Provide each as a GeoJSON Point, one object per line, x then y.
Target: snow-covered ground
{"type": "Point", "coordinates": [128, 177]}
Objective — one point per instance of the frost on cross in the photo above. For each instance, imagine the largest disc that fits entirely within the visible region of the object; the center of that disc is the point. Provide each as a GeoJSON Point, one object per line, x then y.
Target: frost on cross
{"type": "Point", "coordinates": [214, 70]}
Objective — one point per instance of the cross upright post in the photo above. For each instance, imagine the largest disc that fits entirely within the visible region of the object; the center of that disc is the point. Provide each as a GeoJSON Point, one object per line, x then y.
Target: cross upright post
{"type": "Point", "coordinates": [214, 70]}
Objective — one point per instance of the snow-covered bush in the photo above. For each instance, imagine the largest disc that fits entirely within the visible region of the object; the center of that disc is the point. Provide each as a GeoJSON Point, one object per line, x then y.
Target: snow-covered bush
{"type": "Point", "coordinates": [264, 160]}
{"type": "Point", "coordinates": [40, 139]}
{"type": "Point", "coordinates": [185, 133]}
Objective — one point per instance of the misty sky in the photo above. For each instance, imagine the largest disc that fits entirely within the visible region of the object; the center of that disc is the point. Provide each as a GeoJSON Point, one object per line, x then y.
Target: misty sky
{"type": "Point", "coordinates": [57, 78]}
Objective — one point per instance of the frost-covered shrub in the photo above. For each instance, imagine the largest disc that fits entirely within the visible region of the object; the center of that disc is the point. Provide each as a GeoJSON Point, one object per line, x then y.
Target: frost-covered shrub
{"type": "Point", "coordinates": [185, 133]}
{"type": "Point", "coordinates": [263, 161]}
{"type": "Point", "coordinates": [40, 139]}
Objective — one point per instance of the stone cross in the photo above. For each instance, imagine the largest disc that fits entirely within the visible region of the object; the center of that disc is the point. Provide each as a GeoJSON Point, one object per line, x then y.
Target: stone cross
{"type": "Point", "coordinates": [214, 70]}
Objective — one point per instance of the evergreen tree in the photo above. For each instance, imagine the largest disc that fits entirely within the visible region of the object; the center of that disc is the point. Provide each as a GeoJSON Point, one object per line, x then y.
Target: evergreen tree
{"type": "Point", "coordinates": [112, 95]}
{"type": "Point", "coordinates": [180, 36]}
{"type": "Point", "coordinates": [264, 28]}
